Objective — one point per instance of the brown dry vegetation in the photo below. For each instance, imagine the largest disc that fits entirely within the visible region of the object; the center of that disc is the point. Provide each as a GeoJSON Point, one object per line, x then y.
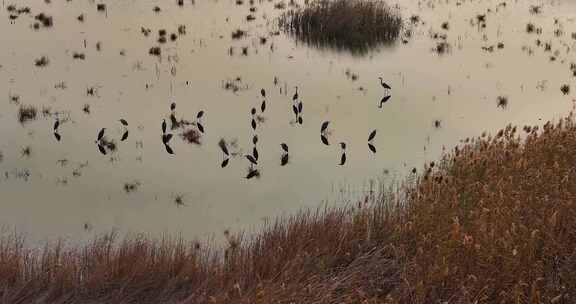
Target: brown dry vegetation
{"type": "Point", "coordinates": [492, 222]}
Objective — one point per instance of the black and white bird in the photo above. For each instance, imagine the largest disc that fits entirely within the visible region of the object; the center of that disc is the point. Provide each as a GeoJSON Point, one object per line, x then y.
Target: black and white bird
{"type": "Point", "coordinates": [384, 100]}
{"type": "Point", "coordinates": [343, 156]}
{"type": "Point", "coordinates": [101, 134]}
{"type": "Point", "coordinates": [124, 136]}
{"type": "Point", "coordinates": [370, 141]}
{"type": "Point", "coordinates": [384, 85]}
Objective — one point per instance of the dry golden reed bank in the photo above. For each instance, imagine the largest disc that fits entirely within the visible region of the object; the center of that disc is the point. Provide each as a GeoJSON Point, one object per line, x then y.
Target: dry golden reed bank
{"type": "Point", "coordinates": [494, 221]}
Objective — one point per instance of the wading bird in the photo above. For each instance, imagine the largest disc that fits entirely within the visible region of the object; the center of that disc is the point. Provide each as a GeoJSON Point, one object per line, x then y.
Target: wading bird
{"type": "Point", "coordinates": [324, 127]}
{"type": "Point", "coordinates": [343, 157]}
{"type": "Point", "coordinates": [372, 136]}
{"type": "Point", "coordinates": [383, 84]}
{"type": "Point", "coordinates": [124, 136]}
{"type": "Point", "coordinates": [370, 140]}
{"type": "Point", "coordinates": [102, 150]}
{"type": "Point", "coordinates": [166, 138]}
{"type": "Point", "coordinates": [174, 122]}
{"type": "Point", "coordinates": [285, 157]}
{"type": "Point", "coordinates": [169, 149]}
{"type": "Point", "coordinates": [253, 113]}
{"type": "Point", "coordinates": [284, 160]}
{"type": "Point", "coordinates": [223, 147]}
{"type": "Point", "coordinates": [199, 121]}
{"type": "Point", "coordinates": [255, 153]}
{"type": "Point", "coordinates": [251, 159]}
{"type": "Point", "coordinates": [101, 134]}
{"type": "Point", "coordinates": [252, 173]}
{"type": "Point", "coordinates": [324, 139]}
{"type": "Point", "coordinates": [225, 163]}
{"type": "Point", "coordinates": [384, 100]}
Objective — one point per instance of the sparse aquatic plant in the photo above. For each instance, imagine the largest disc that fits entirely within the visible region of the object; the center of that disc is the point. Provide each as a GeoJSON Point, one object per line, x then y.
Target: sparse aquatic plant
{"type": "Point", "coordinates": [179, 200]}
{"type": "Point", "coordinates": [27, 114]}
{"type": "Point", "coordinates": [191, 136]}
{"type": "Point", "coordinates": [42, 61]}
{"type": "Point", "coordinates": [502, 102]}
{"type": "Point", "coordinates": [26, 151]}
{"type": "Point", "coordinates": [442, 48]}
{"type": "Point", "coordinates": [234, 85]}
{"type": "Point", "coordinates": [45, 20]}
{"type": "Point", "coordinates": [565, 89]}
{"type": "Point", "coordinates": [155, 51]}
{"type": "Point", "coordinates": [131, 187]}
{"type": "Point", "coordinates": [80, 56]}
{"type": "Point", "coordinates": [238, 34]}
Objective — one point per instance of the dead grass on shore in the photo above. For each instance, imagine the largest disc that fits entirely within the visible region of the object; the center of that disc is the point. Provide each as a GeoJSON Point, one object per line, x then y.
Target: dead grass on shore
{"type": "Point", "coordinates": [492, 222]}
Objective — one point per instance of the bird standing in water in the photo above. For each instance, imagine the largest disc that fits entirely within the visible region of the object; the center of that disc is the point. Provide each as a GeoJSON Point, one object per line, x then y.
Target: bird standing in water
{"type": "Point", "coordinates": [343, 156]}
{"type": "Point", "coordinates": [383, 84]}
{"type": "Point", "coordinates": [370, 141]}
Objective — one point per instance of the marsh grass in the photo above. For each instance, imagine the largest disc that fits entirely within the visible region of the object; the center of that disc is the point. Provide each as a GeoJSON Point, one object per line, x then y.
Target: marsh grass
{"type": "Point", "coordinates": [27, 114]}
{"type": "Point", "coordinates": [352, 25]}
{"type": "Point", "coordinates": [491, 222]}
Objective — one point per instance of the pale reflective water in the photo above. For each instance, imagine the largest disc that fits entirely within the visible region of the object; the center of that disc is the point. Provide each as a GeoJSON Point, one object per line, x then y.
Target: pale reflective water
{"type": "Point", "coordinates": [68, 189]}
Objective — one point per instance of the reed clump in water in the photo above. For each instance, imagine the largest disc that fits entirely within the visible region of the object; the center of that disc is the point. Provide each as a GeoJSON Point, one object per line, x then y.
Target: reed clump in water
{"type": "Point", "coordinates": [491, 222]}
{"type": "Point", "coordinates": [27, 114]}
{"type": "Point", "coordinates": [353, 25]}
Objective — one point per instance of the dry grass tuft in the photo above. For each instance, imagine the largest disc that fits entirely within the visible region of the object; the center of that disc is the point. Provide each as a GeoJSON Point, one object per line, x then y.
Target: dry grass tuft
{"type": "Point", "coordinates": [491, 222]}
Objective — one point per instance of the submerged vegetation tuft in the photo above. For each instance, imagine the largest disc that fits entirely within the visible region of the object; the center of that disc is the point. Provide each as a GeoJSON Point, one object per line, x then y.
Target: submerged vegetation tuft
{"type": "Point", "coordinates": [353, 25]}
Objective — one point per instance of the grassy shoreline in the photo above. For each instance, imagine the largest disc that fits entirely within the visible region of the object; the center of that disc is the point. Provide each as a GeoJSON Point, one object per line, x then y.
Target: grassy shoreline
{"type": "Point", "coordinates": [493, 221]}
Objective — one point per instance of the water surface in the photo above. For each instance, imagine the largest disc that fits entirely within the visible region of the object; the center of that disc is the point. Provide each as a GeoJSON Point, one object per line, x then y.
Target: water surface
{"type": "Point", "coordinates": [68, 189]}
